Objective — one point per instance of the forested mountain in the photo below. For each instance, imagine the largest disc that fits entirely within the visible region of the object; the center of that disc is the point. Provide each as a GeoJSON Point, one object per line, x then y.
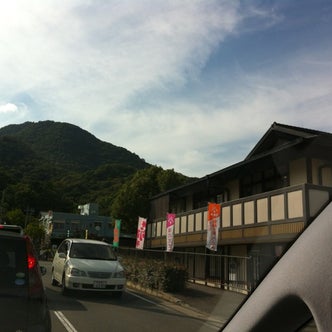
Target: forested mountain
{"type": "Point", "coordinates": [56, 166]}
{"type": "Point", "coordinates": [70, 146]}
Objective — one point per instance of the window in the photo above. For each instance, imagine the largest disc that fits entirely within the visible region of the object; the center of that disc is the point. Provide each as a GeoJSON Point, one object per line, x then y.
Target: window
{"type": "Point", "coordinates": [97, 225]}
{"type": "Point", "coordinates": [58, 225]}
{"type": "Point", "coordinates": [263, 181]}
{"type": "Point", "coordinates": [13, 267]}
{"type": "Point", "coordinates": [63, 248]}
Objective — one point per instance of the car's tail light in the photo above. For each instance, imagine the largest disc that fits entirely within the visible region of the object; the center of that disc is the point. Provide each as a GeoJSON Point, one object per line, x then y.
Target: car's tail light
{"type": "Point", "coordinates": [35, 281]}
{"type": "Point", "coordinates": [31, 262]}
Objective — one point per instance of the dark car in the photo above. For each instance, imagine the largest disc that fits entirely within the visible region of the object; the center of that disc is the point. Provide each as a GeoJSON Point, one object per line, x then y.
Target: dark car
{"type": "Point", "coordinates": [23, 303]}
{"type": "Point", "coordinates": [11, 228]}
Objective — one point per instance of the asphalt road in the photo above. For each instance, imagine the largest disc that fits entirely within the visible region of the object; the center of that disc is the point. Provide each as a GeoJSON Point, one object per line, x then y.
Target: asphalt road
{"type": "Point", "coordinates": [87, 312]}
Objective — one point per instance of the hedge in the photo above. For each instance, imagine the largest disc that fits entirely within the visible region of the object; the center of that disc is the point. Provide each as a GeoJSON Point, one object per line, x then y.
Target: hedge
{"type": "Point", "coordinates": [155, 274]}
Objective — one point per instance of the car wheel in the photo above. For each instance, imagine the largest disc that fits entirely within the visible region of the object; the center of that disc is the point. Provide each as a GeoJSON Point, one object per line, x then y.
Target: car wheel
{"type": "Point", "coordinates": [64, 289]}
{"type": "Point", "coordinates": [53, 280]}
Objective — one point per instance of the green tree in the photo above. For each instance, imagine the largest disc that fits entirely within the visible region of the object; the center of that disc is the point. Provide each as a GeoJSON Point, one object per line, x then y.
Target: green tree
{"type": "Point", "coordinates": [21, 195]}
{"type": "Point", "coordinates": [169, 179]}
{"type": "Point", "coordinates": [133, 198]}
{"type": "Point", "coordinates": [36, 232]}
{"type": "Point", "coordinates": [15, 217]}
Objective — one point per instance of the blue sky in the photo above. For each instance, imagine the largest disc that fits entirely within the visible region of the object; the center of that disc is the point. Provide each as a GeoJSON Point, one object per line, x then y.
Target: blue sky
{"type": "Point", "coordinates": [189, 85]}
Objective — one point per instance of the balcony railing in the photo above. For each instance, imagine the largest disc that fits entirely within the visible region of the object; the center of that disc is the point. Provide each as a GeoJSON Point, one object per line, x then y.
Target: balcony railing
{"type": "Point", "coordinates": [283, 212]}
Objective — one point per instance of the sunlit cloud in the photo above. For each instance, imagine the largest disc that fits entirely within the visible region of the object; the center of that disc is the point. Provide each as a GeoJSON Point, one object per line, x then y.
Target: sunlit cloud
{"type": "Point", "coordinates": [8, 108]}
{"type": "Point", "coordinates": [185, 85]}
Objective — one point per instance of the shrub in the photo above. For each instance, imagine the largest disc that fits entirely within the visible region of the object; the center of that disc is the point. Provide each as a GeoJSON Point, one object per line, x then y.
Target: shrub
{"type": "Point", "coordinates": [155, 274]}
{"type": "Point", "coordinates": [175, 279]}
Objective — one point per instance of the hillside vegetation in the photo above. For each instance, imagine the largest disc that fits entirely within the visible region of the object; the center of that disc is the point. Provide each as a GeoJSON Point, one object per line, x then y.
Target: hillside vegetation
{"type": "Point", "coordinates": [57, 166]}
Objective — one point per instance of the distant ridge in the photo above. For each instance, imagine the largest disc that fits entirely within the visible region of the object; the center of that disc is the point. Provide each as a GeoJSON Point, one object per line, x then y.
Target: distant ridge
{"type": "Point", "coordinates": [66, 145]}
{"type": "Point", "coordinates": [57, 166]}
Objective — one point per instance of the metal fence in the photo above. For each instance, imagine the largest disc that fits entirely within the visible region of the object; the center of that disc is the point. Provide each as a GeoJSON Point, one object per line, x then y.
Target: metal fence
{"type": "Point", "coordinates": [227, 272]}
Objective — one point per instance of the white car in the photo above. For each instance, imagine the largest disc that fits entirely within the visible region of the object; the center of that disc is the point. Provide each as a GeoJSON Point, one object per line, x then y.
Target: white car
{"type": "Point", "coordinates": [87, 265]}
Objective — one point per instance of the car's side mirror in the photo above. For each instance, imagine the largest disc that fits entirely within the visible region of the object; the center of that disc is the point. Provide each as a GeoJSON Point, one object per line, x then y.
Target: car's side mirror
{"type": "Point", "coordinates": [43, 270]}
{"type": "Point", "coordinates": [62, 255]}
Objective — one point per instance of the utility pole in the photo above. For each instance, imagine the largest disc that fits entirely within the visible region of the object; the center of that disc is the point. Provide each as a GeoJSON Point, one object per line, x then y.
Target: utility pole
{"type": "Point", "coordinates": [28, 212]}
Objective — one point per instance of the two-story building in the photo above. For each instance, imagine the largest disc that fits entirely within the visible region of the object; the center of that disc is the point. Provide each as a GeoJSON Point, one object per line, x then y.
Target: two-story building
{"type": "Point", "coordinates": [88, 223]}
{"type": "Point", "coordinates": [266, 200]}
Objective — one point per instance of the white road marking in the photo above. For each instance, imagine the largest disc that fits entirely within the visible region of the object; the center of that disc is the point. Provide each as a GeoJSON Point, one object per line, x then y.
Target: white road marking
{"type": "Point", "coordinates": [65, 322]}
{"type": "Point", "coordinates": [142, 298]}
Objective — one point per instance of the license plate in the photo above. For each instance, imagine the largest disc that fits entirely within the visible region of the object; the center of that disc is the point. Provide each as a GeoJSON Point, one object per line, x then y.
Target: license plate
{"type": "Point", "coordinates": [99, 284]}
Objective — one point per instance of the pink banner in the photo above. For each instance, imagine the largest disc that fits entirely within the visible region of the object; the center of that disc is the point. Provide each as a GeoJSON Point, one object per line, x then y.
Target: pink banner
{"type": "Point", "coordinates": [213, 224]}
{"type": "Point", "coordinates": [140, 233]}
{"type": "Point", "coordinates": [170, 231]}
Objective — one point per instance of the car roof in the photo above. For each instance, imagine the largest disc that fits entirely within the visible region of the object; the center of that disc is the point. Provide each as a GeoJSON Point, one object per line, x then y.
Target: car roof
{"type": "Point", "coordinates": [12, 234]}
{"type": "Point", "coordinates": [87, 241]}
{"type": "Point", "coordinates": [11, 228]}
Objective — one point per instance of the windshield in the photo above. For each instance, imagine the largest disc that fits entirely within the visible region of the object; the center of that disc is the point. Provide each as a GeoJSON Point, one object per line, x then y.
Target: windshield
{"type": "Point", "coordinates": [92, 251]}
{"type": "Point", "coordinates": [190, 140]}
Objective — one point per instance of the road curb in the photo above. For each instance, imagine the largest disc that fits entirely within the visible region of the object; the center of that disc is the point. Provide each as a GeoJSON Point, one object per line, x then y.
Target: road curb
{"type": "Point", "coordinates": [181, 305]}
{"type": "Point", "coordinates": [154, 292]}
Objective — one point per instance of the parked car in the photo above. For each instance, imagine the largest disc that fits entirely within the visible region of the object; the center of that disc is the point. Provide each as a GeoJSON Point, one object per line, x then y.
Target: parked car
{"type": "Point", "coordinates": [87, 265]}
{"type": "Point", "coordinates": [23, 303]}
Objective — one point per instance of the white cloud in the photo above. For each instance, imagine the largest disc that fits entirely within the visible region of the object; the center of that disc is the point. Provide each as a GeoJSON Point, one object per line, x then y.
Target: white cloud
{"type": "Point", "coordinates": [201, 137]}
{"type": "Point", "coordinates": [8, 108]}
{"type": "Point", "coordinates": [130, 72]}
{"type": "Point", "coordinates": [107, 52]}
{"type": "Point", "coordinates": [12, 113]}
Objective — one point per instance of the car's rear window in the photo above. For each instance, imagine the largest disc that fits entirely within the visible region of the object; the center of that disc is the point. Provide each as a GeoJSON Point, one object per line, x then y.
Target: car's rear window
{"type": "Point", "coordinates": [11, 228]}
{"type": "Point", "coordinates": [13, 266]}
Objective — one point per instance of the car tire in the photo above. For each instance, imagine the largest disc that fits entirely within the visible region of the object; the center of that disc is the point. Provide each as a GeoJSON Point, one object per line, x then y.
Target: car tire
{"type": "Point", "coordinates": [53, 280]}
{"type": "Point", "coordinates": [64, 289]}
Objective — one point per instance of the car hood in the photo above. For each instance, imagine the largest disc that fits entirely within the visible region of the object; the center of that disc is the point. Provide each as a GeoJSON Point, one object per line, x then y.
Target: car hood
{"type": "Point", "coordinates": [95, 265]}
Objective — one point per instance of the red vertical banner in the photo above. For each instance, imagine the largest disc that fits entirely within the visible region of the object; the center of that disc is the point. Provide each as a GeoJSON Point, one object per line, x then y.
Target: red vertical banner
{"type": "Point", "coordinates": [116, 233]}
{"type": "Point", "coordinates": [141, 232]}
{"type": "Point", "coordinates": [170, 222]}
{"type": "Point", "coordinates": [213, 224]}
